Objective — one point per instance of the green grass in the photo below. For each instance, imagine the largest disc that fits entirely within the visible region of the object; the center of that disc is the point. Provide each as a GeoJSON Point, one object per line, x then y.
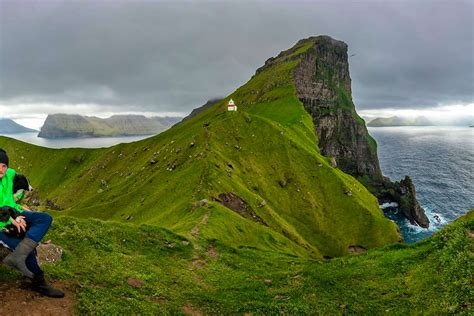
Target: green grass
{"type": "Point", "coordinates": [269, 140]}
{"type": "Point", "coordinates": [430, 277]}
{"type": "Point", "coordinates": [130, 211]}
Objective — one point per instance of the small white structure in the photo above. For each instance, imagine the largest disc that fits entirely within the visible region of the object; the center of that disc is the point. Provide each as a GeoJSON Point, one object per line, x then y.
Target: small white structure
{"type": "Point", "coordinates": [231, 106]}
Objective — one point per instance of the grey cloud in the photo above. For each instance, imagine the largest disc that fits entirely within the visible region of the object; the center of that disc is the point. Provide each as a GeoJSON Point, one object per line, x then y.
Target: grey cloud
{"type": "Point", "coordinates": [169, 56]}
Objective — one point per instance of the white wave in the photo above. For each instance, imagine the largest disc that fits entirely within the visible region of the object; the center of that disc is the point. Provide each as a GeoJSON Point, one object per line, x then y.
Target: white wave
{"type": "Point", "coordinates": [386, 205]}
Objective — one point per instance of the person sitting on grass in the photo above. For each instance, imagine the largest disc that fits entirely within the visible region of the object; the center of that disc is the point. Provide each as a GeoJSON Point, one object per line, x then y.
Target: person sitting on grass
{"type": "Point", "coordinates": [23, 254]}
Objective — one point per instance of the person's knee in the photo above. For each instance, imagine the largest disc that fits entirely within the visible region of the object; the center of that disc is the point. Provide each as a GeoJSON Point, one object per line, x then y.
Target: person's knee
{"type": "Point", "coordinates": [46, 218]}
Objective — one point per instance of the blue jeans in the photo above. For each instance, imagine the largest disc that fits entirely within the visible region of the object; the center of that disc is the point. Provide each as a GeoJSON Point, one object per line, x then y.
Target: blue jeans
{"type": "Point", "coordinates": [38, 225]}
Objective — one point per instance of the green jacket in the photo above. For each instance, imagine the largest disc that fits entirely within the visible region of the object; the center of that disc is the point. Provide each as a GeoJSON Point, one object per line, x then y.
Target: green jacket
{"type": "Point", "coordinates": [6, 194]}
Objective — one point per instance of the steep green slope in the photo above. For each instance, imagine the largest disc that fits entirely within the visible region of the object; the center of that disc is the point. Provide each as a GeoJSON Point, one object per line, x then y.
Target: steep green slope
{"type": "Point", "coordinates": [181, 277]}
{"type": "Point", "coordinates": [260, 170]}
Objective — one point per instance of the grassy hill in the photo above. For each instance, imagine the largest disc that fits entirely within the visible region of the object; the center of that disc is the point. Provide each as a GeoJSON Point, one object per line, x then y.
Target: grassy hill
{"type": "Point", "coordinates": [260, 168]}
{"type": "Point", "coordinates": [233, 213]}
{"type": "Point", "coordinates": [124, 269]}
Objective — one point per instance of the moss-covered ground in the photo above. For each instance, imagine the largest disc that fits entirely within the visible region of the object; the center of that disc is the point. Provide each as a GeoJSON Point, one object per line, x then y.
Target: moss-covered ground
{"type": "Point", "coordinates": [179, 275]}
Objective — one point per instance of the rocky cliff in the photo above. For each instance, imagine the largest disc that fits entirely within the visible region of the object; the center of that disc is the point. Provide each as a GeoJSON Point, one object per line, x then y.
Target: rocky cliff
{"type": "Point", "coordinates": [64, 125]}
{"type": "Point", "coordinates": [323, 85]}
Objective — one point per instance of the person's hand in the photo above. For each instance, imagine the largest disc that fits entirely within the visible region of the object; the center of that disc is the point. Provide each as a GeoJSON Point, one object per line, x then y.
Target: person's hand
{"type": "Point", "coordinates": [19, 223]}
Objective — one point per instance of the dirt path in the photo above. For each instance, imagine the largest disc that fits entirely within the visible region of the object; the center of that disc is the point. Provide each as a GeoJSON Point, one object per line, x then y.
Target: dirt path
{"type": "Point", "coordinates": [17, 299]}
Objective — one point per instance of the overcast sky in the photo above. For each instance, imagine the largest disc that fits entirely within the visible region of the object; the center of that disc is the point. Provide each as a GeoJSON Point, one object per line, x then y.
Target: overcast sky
{"type": "Point", "coordinates": [154, 57]}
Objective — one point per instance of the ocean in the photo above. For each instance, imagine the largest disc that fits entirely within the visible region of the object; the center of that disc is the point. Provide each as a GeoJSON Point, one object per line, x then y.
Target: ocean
{"type": "Point", "coordinates": [440, 161]}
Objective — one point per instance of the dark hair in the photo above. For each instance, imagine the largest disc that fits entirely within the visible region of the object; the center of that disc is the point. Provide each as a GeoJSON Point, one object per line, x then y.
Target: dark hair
{"type": "Point", "coordinates": [3, 157]}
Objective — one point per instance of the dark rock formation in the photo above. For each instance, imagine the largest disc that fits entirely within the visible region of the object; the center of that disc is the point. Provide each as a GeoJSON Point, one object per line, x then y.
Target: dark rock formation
{"type": "Point", "coordinates": [409, 205]}
{"type": "Point", "coordinates": [323, 85]}
{"type": "Point", "coordinates": [240, 206]}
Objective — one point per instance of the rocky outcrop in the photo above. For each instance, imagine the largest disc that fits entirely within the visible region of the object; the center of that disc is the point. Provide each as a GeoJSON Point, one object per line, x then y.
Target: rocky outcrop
{"type": "Point", "coordinates": [241, 207]}
{"type": "Point", "coordinates": [409, 205]}
{"type": "Point", "coordinates": [323, 85]}
{"type": "Point", "coordinates": [46, 253]}
{"type": "Point", "coordinates": [76, 126]}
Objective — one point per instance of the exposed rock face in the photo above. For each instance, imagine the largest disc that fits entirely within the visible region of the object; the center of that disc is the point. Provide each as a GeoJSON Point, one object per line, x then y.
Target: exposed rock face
{"type": "Point", "coordinates": [410, 206]}
{"type": "Point", "coordinates": [238, 205]}
{"type": "Point", "coordinates": [323, 85]}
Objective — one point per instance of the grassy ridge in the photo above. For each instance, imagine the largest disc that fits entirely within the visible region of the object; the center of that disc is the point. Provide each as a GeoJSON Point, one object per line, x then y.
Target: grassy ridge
{"type": "Point", "coordinates": [265, 153]}
{"type": "Point", "coordinates": [185, 274]}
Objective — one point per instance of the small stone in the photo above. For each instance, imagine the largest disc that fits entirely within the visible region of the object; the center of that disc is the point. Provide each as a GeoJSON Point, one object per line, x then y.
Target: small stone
{"type": "Point", "coordinates": [49, 253]}
{"type": "Point", "coordinates": [201, 203]}
{"type": "Point", "coordinates": [134, 282]}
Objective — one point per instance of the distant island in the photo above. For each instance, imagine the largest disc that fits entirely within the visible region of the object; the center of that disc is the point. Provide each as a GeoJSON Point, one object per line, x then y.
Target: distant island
{"type": "Point", "coordinates": [77, 126]}
{"type": "Point", "coordinates": [8, 126]}
{"type": "Point", "coordinates": [400, 121]}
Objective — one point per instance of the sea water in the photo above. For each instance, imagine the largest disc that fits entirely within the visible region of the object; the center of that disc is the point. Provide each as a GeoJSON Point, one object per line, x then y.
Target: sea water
{"type": "Point", "coordinates": [440, 161]}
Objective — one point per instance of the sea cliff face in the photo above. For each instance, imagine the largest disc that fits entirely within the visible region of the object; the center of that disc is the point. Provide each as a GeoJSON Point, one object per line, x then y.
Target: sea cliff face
{"type": "Point", "coordinates": [323, 85]}
{"type": "Point", "coordinates": [75, 126]}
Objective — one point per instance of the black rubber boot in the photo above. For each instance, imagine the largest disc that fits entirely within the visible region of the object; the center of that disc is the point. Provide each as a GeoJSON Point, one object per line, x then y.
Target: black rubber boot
{"type": "Point", "coordinates": [16, 260]}
{"type": "Point", "coordinates": [38, 284]}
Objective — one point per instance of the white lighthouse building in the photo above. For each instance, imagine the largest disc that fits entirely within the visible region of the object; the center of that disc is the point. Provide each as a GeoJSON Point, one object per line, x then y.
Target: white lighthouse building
{"type": "Point", "coordinates": [231, 106]}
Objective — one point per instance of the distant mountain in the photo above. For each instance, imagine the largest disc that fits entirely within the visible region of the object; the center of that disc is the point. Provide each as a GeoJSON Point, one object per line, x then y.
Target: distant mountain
{"type": "Point", "coordinates": [76, 126]}
{"type": "Point", "coordinates": [200, 109]}
{"type": "Point", "coordinates": [400, 121]}
{"type": "Point", "coordinates": [8, 126]}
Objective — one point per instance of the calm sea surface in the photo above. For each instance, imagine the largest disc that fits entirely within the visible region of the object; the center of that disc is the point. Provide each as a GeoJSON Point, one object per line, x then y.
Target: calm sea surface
{"type": "Point", "coordinates": [440, 161]}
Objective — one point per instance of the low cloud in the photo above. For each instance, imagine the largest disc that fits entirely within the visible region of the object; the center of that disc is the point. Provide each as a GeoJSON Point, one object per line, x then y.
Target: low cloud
{"type": "Point", "coordinates": [158, 56]}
